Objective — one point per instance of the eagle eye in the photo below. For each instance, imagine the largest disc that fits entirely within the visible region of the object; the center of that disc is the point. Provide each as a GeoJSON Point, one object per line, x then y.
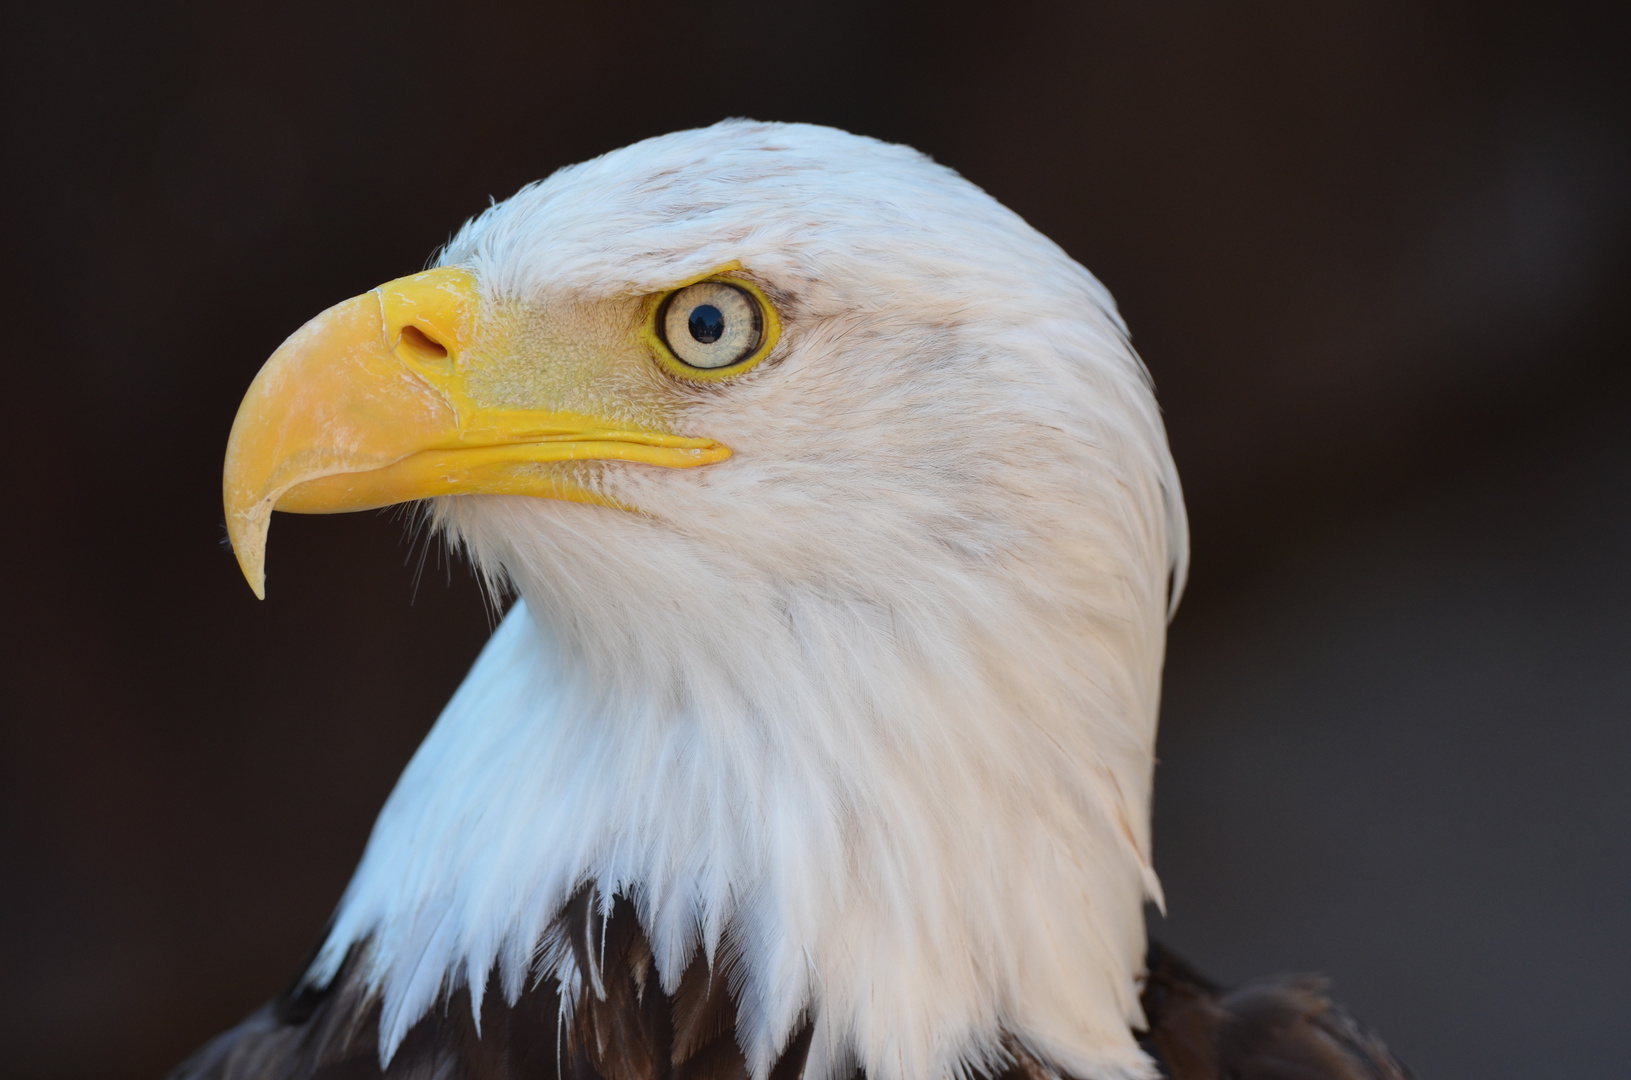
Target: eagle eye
{"type": "Point", "coordinates": [712, 325]}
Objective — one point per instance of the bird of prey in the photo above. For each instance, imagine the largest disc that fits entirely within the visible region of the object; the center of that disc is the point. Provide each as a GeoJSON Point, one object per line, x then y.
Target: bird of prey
{"type": "Point", "coordinates": [819, 738]}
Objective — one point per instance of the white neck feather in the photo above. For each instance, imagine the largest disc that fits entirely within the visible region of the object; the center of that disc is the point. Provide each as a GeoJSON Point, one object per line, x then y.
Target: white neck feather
{"type": "Point", "coordinates": [922, 825]}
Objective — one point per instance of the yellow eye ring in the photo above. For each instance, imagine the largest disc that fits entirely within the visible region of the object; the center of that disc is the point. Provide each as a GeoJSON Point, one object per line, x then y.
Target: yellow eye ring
{"type": "Point", "coordinates": [657, 309]}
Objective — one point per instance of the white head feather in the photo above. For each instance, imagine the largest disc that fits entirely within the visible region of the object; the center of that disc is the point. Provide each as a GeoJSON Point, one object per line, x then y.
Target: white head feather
{"type": "Point", "coordinates": [875, 698]}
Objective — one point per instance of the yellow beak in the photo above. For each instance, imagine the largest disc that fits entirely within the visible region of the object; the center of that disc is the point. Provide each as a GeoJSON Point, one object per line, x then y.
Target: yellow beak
{"type": "Point", "coordinates": [367, 405]}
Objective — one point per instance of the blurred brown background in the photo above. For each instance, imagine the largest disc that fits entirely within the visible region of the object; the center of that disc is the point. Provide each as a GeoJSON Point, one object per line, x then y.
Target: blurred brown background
{"type": "Point", "coordinates": [1375, 253]}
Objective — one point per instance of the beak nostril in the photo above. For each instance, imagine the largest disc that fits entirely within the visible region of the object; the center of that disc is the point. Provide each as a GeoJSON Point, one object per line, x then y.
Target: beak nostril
{"type": "Point", "coordinates": [422, 344]}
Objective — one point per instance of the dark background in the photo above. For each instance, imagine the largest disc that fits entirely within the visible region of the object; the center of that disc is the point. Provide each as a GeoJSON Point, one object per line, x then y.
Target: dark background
{"type": "Point", "coordinates": [1375, 253]}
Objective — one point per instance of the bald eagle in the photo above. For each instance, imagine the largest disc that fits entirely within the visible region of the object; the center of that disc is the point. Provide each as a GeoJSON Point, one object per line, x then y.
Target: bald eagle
{"type": "Point", "coordinates": [819, 738]}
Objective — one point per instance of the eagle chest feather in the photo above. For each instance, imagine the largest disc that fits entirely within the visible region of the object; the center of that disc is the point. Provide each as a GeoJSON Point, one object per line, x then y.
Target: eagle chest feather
{"type": "Point", "coordinates": [628, 1029]}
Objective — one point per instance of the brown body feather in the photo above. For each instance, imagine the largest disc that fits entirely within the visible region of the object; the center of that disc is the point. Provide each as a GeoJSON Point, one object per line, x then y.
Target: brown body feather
{"type": "Point", "coordinates": [1283, 1029]}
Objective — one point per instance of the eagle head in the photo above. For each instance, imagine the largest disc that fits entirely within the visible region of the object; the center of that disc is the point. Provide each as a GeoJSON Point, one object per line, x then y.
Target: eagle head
{"type": "Point", "coordinates": [845, 532]}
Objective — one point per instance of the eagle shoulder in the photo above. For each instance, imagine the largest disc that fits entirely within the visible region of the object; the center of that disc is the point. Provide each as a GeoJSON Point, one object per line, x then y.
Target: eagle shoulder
{"type": "Point", "coordinates": [1281, 1028]}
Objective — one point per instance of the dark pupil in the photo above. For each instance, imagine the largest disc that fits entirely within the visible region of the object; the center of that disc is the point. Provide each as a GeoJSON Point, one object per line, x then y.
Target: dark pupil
{"type": "Point", "coordinates": [707, 323]}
